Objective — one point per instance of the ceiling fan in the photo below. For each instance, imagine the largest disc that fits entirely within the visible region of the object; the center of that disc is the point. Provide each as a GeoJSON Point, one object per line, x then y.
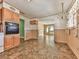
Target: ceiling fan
{"type": "Point", "coordinates": [62, 14]}
{"type": "Point", "coordinates": [27, 0]}
{"type": "Point", "coordinates": [62, 6]}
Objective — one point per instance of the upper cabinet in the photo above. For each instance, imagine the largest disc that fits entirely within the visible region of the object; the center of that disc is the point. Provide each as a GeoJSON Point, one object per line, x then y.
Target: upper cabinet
{"type": "Point", "coordinates": [15, 17]}
{"type": "Point", "coordinates": [9, 15]}
{"type": "Point", "coordinates": [0, 15]}
{"type": "Point", "coordinates": [72, 16]}
{"type": "Point", "coordinates": [1, 20]}
{"type": "Point", "coordinates": [1, 1]}
{"type": "Point", "coordinates": [78, 16]}
{"type": "Point", "coordinates": [33, 22]}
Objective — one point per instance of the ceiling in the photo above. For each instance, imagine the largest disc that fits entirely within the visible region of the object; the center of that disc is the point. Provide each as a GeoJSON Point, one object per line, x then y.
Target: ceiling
{"type": "Point", "coordinates": [40, 8]}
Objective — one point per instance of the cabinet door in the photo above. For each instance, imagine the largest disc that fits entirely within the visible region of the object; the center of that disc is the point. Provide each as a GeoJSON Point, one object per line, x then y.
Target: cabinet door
{"type": "Point", "coordinates": [15, 17]}
{"type": "Point", "coordinates": [8, 43]}
{"type": "Point", "coordinates": [16, 41]}
{"type": "Point", "coordinates": [7, 14]}
{"type": "Point", "coordinates": [35, 34]}
{"type": "Point", "coordinates": [1, 1]}
{"type": "Point", "coordinates": [0, 15]}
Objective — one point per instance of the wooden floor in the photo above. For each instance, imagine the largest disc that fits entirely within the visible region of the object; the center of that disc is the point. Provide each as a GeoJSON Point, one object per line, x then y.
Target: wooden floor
{"type": "Point", "coordinates": [39, 49]}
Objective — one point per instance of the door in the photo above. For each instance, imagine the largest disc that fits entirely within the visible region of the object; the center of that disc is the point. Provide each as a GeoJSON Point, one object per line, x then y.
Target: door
{"type": "Point", "coordinates": [49, 30]}
{"type": "Point", "coordinates": [49, 34]}
{"type": "Point", "coordinates": [22, 30]}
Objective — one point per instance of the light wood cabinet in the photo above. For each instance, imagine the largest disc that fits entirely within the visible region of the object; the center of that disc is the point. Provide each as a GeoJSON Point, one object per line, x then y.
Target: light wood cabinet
{"type": "Point", "coordinates": [34, 22]}
{"type": "Point", "coordinates": [15, 17]}
{"type": "Point", "coordinates": [77, 16]}
{"type": "Point", "coordinates": [10, 16]}
{"type": "Point", "coordinates": [1, 1]}
{"type": "Point", "coordinates": [7, 15]}
{"type": "Point", "coordinates": [0, 20]}
{"type": "Point", "coordinates": [16, 41]}
{"type": "Point", "coordinates": [11, 41]}
{"type": "Point", "coordinates": [33, 34]}
{"type": "Point", "coordinates": [60, 35]}
{"type": "Point", "coordinates": [8, 42]}
{"type": "Point", "coordinates": [0, 15]}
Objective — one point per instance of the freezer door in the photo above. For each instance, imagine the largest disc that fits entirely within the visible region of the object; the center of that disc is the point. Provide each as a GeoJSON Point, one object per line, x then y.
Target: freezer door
{"type": "Point", "coordinates": [1, 39]}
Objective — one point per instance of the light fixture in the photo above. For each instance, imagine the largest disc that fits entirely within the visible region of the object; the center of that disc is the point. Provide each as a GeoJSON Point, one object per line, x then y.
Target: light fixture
{"type": "Point", "coordinates": [62, 4]}
{"type": "Point", "coordinates": [29, 0]}
{"type": "Point", "coordinates": [62, 10]}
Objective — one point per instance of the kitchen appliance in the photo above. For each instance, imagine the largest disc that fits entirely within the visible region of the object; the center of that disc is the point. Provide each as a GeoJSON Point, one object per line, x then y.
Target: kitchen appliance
{"type": "Point", "coordinates": [1, 42]}
{"type": "Point", "coordinates": [11, 28]}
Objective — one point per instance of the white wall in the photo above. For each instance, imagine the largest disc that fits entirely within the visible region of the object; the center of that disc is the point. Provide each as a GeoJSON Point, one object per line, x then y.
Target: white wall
{"type": "Point", "coordinates": [56, 20]}
{"type": "Point", "coordinates": [40, 29]}
{"type": "Point", "coordinates": [27, 24]}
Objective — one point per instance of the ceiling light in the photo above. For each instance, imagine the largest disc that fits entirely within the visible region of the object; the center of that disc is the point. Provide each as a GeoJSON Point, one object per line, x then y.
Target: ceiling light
{"type": "Point", "coordinates": [29, 0]}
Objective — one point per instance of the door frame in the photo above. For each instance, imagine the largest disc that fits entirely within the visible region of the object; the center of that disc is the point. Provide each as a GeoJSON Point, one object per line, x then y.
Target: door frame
{"type": "Point", "coordinates": [49, 25]}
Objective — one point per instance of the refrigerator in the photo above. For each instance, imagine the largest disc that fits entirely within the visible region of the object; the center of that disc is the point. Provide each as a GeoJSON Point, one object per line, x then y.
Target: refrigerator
{"type": "Point", "coordinates": [1, 42]}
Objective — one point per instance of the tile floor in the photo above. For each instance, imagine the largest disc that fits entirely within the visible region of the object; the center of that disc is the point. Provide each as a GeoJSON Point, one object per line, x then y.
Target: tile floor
{"type": "Point", "coordinates": [37, 49]}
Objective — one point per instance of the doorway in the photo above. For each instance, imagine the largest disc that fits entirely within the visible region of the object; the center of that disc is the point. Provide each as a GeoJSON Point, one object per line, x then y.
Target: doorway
{"type": "Point", "coordinates": [22, 32]}
{"type": "Point", "coordinates": [49, 34]}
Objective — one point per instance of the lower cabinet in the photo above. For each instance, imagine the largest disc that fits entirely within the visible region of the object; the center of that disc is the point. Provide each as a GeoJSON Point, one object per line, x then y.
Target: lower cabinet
{"type": "Point", "coordinates": [8, 43]}
{"type": "Point", "coordinates": [11, 42]}
{"type": "Point", "coordinates": [33, 34]}
{"type": "Point", "coordinates": [16, 41]}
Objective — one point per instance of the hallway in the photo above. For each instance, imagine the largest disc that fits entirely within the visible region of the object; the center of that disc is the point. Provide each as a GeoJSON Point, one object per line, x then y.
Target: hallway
{"type": "Point", "coordinates": [35, 49]}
